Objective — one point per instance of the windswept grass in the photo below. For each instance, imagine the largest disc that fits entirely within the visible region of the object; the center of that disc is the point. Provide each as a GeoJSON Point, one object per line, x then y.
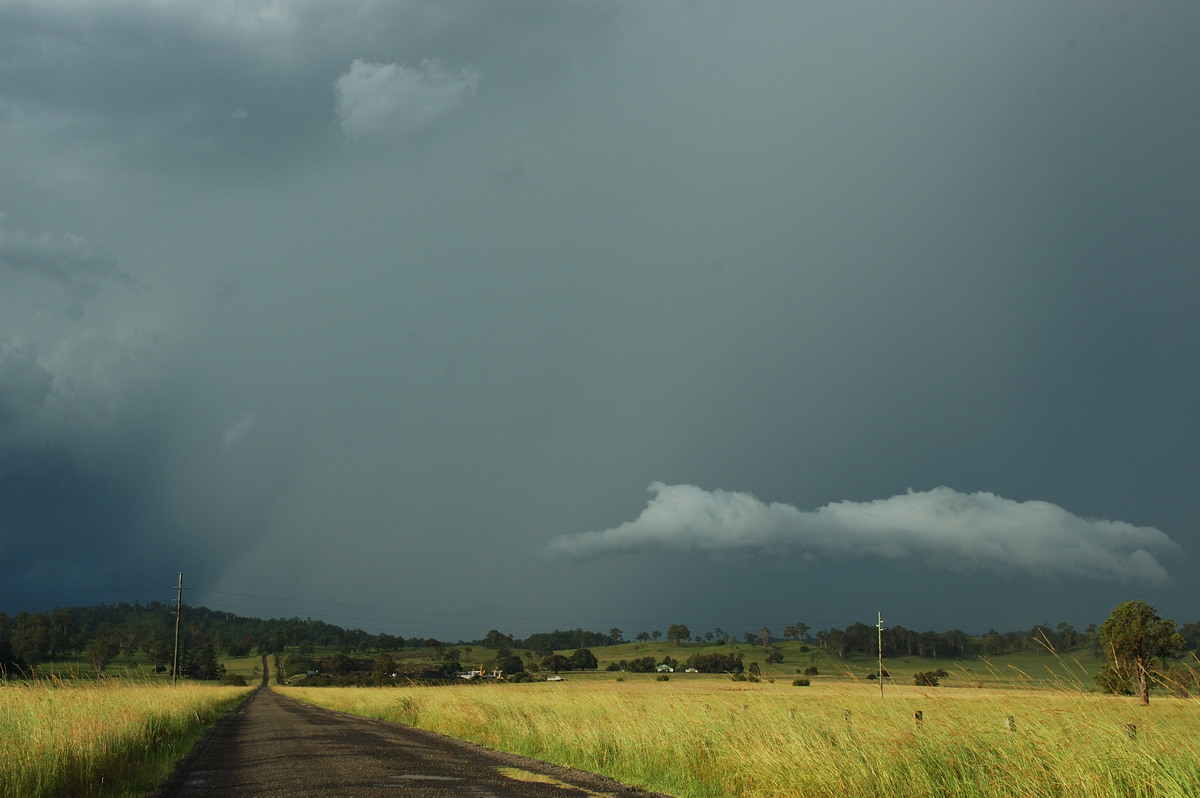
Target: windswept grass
{"type": "Point", "coordinates": [708, 737]}
{"type": "Point", "coordinates": [99, 738]}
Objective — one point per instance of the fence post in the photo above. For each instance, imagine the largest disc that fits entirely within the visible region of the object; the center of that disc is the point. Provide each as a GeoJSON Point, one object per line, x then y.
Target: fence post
{"type": "Point", "coordinates": [919, 717]}
{"type": "Point", "coordinates": [1010, 724]}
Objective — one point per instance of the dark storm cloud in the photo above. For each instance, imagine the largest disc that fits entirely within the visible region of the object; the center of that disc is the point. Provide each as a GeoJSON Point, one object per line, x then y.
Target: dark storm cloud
{"type": "Point", "coordinates": [24, 383]}
{"type": "Point", "coordinates": [88, 407]}
{"type": "Point", "coordinates": [381, 298]}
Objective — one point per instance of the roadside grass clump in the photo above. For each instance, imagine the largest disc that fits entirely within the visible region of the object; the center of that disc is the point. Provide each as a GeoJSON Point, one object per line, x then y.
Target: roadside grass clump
{"type": "Point", "coordinates": [104, 737]}
{"type": "Point", "coordinates": [716, 737]}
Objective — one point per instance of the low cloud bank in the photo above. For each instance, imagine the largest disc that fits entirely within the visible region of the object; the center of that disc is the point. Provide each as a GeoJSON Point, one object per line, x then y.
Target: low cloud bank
{"type": "Point", "coordinates": [941, 528]}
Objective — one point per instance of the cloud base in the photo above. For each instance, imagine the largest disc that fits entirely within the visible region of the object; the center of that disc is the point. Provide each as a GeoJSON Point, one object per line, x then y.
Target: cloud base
{"type": "Point", "coordinates": [940, 528]}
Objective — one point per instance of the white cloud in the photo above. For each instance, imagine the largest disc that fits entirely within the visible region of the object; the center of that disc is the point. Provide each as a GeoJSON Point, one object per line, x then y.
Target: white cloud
{"type": "Point", "coordinates": [390, 100]}
{"type": "Point", "coordinates": [237, 429]}
{"type": "Point", "coordinates": [941, 528]}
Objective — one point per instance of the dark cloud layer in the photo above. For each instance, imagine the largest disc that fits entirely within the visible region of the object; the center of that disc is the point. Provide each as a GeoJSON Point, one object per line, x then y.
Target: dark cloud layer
{"type": "Point", "coordinates": [369, 304]}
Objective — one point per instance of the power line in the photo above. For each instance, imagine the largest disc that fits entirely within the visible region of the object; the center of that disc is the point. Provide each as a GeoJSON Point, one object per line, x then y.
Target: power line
{"type": "Point", "coordinates": [92, 590]}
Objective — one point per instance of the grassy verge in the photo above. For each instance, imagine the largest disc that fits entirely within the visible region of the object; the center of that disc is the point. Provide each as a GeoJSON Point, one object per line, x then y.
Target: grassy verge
{"type": "Point", "coordinates": [100, 738]}
{"type": "Point", "coordinates": [710, 737]}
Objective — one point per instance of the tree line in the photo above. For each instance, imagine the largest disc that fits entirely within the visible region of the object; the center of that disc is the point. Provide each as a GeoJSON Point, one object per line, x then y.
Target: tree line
{"type": "Point", "coordinates": [105, 633]}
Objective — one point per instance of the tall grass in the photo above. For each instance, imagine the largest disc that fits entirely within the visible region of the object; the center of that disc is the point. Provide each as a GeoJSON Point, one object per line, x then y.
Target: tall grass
{"type": "Point", "coordinates": [706, 737]}
{"type": "Point", "coordinates": [99, 738]}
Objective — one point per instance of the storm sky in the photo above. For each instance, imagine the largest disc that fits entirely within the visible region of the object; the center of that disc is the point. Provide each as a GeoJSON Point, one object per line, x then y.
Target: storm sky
{"type": "Point", "coordinates": [430, 318]}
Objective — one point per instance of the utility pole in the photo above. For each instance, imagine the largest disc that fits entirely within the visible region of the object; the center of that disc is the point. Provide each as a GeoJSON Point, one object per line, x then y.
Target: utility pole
{"type": "Point", "coordinates": [879, 629]}
{"type": "Point", "coordinates": [178, 612]}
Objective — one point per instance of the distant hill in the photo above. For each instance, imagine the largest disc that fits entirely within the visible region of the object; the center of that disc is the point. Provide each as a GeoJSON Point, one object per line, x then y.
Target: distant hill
{"type": "Point", "coordinates": [146, 630]}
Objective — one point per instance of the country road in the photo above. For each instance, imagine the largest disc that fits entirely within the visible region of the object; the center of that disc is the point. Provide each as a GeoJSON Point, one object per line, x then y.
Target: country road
{"type": "Point", "coordinates": [276, 746]}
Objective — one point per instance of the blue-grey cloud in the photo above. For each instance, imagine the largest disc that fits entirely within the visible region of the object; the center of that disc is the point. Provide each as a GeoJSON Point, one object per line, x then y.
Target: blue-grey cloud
{"type": "Point", "coordinates": [24, 383]}
{"type": "Point", "coordinates": [237, 429]}
{"type": "Point", "coordinates": [941, 528]}
{"type": "Point", "coordinates": [53, 274]}
{"type": "Point", "coordinates": [577, 247]}
{"type": "Point", "coordinates": [390, 100]}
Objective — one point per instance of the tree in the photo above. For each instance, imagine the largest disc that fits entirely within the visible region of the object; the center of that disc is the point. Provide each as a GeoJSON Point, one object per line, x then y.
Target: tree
{"type": "Point", "coordinates": [584, 660]}
{"type": "Point", "coordinates": [509, 664]}
{"type": "Point", "coordinates": [796, 631]}
{"type": "Point", "coordinates": [642, 636]}
{"type": "Point", "coordinates": [764, 636]}
{"type": "Point", "coordinates": [385, 666]}
{"type": "Point", "coordinates": [1135, 639]}
{"type": "Point", "coordinates": [1068, 636]}
{"type": "Point", "coordinates": [340, 664]}
{"type": "Point", "coordinates": [717, 663]}
{"type": "Point", "coordinates": [101, 652]}
{"type": "Point", "coordinates": [656, 634]}
{"type": "Point", "coordinates": [200, 662]}
{"type": "Point", "coordinates": [556, 663]}
{"type": "Point", "coordinates": [11, 663]}
{"type": "Point", "coordinates": [926, 679]}
{"type": "Point", "coordinates": [677, 633]}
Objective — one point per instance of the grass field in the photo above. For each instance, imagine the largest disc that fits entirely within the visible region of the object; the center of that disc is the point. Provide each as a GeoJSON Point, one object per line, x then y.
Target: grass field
{"type": "Point", "coordinates": [707, 736]}
{"type": "Point", "coordinates": [1034, 667]}
{"type": "Point", "coordinates": [110, 737]}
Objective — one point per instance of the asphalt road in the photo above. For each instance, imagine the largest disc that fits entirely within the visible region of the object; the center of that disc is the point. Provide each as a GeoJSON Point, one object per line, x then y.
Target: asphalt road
{"type": "Point", "coordinates": [276, 746]}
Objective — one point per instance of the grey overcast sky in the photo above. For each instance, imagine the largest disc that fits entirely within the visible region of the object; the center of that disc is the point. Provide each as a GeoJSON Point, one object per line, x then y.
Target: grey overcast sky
{"type": "Point", "coordinates": [436, 317]}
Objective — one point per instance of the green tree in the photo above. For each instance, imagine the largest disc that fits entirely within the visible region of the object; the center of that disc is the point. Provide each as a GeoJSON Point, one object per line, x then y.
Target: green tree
{"type": "Point", "coordinates": [497, 639]}
{"type": "Point", "coordinates": [340, 664]}
{"type": "Point", "coordinates": [11, 663]}
{"type": "Point", "coordinates": [795, 630]}
{"type": "Point", "coordinates": [509, 664]}
{"type": "Point", "coordinates": [200, 662]}
{"type": "Point", "coordinates": [1136, 639]}
{"type": "Point", "coordinates": [101, 652]}
{"type": "Point", "coordinates": [385, 666]}
{"type": "Point", "coordinates": [1112, 682]}
{"type": "Point", "coordinates": [677, 633]}
{"type": "Point", "coordinates": [926, 679]}
{"type": "Point", "coordinates": [584, 660]}
{"type": "Point", "coordinates": [556, 663]}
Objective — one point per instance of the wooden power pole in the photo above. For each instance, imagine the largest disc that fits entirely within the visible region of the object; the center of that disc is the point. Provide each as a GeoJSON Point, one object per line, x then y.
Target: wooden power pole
{"type": "Point", "coordinates": [879, 629]}
{"type": "Point", "coordinates": [178, 613]}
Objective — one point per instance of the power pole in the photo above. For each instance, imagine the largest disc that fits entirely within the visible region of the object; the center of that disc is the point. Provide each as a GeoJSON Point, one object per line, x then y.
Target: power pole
{"type": "Point", "coordinates": [178, 613]}
{"type": "Point", "coordinates": [879, 629]}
